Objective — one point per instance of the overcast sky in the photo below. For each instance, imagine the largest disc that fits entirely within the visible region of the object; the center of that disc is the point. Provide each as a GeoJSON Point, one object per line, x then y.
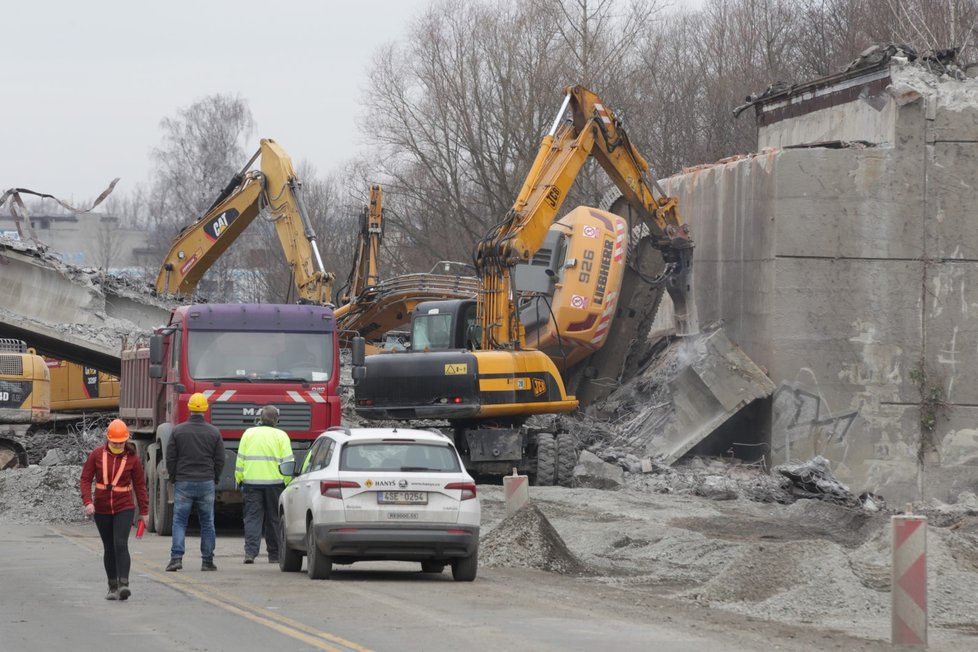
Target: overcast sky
{"type": "Point", "coordinates": [85, 84]}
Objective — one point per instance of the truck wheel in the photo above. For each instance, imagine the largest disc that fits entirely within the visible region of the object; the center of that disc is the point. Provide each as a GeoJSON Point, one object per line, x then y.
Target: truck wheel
{"type": "Point", "coordinates": [164, 510]}
{"type": "Point", "coordinates": [566, 459]}
{"type": "Point", "coordinates": [546, 460]}
{"type": "Point", "coordinates": [464, 569]}
{"type": "Point", "coordinates": [152, 480]}
{"type": "Point", "coordinates": [318, 565]}
{"type": "Point", "coordinates": [289, 559]}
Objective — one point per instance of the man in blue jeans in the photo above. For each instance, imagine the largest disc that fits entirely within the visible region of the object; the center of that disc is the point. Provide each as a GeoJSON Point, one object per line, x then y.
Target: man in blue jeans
{"type": "Point", "coordinates": [194, 460]}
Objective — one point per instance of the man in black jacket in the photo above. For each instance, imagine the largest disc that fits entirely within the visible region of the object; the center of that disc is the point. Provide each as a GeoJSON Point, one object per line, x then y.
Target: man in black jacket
{"type": "Point", "coordinates": [194, 461]}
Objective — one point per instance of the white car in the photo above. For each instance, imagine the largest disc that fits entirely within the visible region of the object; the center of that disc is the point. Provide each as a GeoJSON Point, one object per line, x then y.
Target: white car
{"type": "Point", "coordinates": [380, 494]}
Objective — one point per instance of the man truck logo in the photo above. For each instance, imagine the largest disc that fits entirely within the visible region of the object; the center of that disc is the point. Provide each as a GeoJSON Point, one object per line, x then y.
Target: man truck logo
{"type": "Point", "coordinates": [539, 387]}
{"type": "Point", "coordinates": [249, 412]}
{"type": "Point", "coordinates": [456, 369]}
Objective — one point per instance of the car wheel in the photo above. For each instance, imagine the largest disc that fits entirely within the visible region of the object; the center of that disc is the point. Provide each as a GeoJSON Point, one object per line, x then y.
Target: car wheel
{"type": "Point", "coordinates": [464, 569]}
{"type": "Point", "coordinates": [289, 559]}
{"type": "Point", "coordinates": [164, 510]}
{"type": "Point", "coordinates": [432, 567]}
{"type": "Point", "coordinates": [566, 459]}
{"type": "Point", "coordinates": [546, 460]}
{"type": "Point", "coordinates": [318, 565]}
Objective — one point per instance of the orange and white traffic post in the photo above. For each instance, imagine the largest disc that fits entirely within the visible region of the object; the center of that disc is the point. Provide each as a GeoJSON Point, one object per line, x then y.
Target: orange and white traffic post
{"type": "Point", "coordinates": [517, 490]}
{"type": "Point", "coordinates": [909, 581]}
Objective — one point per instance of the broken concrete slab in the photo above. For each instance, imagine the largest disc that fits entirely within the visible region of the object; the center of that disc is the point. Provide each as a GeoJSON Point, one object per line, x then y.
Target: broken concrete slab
{"type": "Point", "coordinates": [591, 471]}
{"type": "Point", "coordinates": [719, 381]}
{"type": "Point", "coordinates": [54, 457]}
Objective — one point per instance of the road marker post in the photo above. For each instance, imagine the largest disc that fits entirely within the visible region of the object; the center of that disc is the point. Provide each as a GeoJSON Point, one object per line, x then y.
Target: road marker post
{"type": "Point", "coordinates": [908, 606]}
{"type": "Point", "coordinates": [517, 490]}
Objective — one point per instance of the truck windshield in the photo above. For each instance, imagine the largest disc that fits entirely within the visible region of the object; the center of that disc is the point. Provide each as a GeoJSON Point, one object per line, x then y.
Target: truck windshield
{"type": "Point", "coordinates": [250, 356]}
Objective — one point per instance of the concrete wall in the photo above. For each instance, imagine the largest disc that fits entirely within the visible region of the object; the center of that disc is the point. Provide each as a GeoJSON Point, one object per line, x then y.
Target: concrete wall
{"type": "Point", "coordinates": [840, 270]}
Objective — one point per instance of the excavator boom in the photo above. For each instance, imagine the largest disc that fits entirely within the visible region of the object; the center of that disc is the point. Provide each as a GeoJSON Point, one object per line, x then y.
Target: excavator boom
{"type": "Point", "coordinates": [274, 189]}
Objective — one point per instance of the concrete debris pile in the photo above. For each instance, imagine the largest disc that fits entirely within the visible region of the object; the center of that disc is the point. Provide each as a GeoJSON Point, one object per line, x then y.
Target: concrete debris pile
{"type": "Point", "coordinates": [39, 494]}
{"type": "Point", "coordinates": [66, 445]}
{"type": "Point", "coordinates": [814, 479]}
{"type": "Point", "coordinates": [528, 540]}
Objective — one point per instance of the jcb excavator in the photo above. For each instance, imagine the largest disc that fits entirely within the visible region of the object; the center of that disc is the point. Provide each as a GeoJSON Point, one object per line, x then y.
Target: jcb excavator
{"type": "Point", "coordinates": [470, 363]}
{"type": "Point", "coordinates": [275, 189]}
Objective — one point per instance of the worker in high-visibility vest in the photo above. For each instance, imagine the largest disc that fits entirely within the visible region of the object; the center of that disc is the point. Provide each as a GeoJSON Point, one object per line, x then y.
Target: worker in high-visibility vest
{"type": "Point", "coordinates": [261, 450]}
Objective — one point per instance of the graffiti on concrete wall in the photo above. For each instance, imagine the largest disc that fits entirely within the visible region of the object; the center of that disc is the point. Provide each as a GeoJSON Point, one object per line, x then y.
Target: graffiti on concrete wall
{"type": "Point", "coordinates": [802, 417]}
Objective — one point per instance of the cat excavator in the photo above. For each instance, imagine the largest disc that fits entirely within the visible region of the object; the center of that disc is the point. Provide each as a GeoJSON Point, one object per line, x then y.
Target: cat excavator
{"type": "Point", "coordinates": [274, 189]}
{"type": "Point", "coordinates": [470, 363]}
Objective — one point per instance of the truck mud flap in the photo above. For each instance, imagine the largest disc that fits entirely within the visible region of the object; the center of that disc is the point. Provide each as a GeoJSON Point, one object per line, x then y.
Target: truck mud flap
{"type": "Point", "coordinates": [495, 445]}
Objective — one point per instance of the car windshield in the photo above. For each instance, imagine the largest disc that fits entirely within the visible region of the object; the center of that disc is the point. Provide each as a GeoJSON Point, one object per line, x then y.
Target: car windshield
{"type": "Point", "coordinates": [253, 356]}
{"type": "Point", "coordinates": [399, 456]}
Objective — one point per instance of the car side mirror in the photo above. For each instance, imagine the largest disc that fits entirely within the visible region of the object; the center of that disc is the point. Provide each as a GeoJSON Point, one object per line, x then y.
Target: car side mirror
{"type": "Point", "coordinates": [287, 468]}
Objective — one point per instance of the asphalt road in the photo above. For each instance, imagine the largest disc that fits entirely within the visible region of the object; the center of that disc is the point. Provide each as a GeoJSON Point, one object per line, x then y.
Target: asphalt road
{"type": "Point", "coordinates": [51, 598]}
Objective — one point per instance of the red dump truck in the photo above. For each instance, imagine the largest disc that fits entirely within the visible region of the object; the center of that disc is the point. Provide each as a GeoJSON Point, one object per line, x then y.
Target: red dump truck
{"type": "Point", "coordinates": [241, 357]}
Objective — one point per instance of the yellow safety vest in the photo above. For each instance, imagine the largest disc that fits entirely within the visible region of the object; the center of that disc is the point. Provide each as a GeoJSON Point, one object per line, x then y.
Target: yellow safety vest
{"type": "Point", "coordinates": [261, 450]}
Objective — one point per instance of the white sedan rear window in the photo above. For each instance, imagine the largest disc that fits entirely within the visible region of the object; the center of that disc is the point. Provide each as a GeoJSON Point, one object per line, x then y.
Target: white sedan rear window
{"type": "Point", "coordinates": [399, 456]}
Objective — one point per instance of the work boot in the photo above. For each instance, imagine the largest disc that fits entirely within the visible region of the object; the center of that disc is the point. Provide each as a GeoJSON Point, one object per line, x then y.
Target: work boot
{"type": "Point", "coordinates": [113, 593]}
{"type": "Point", "coordinates": [175, 564]}
{"type": "Point", "coordinates": [207, 565]}
{"type": "Point", "coordinates": [273, 560]}
{"type": "Point", "coordinates": [124, 591]}
{"type": "Point", "coordinates": [249, 559]}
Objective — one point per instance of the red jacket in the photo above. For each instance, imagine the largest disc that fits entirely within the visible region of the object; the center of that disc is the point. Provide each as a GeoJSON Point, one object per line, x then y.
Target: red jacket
{"type": "Point", "coordinates": [113, 502]}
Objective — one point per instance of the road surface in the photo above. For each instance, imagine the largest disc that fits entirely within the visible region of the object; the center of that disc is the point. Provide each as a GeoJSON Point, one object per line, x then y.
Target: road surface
{"type": "Point", "coordinates": [53, 588]}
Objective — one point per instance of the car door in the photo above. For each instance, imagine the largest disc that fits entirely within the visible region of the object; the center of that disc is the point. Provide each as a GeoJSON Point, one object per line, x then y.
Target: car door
{"type": "Point", "coordinates": [295, 497]}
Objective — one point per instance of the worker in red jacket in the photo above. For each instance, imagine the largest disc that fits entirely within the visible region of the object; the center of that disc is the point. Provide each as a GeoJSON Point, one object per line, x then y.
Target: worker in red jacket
{"type": "Point", "coordinates": [115, 471]}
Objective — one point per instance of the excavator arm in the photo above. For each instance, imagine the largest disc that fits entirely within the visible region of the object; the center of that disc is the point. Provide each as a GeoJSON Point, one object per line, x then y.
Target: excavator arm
{"type": "Point", "coordinates": [593, 131]}
{"type": "Point", "coordinates": [274, 189]}
{"type": "Point", "coordinates": [365, 266]}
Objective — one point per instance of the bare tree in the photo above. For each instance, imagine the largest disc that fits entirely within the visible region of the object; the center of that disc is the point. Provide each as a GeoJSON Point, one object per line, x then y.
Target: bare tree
{"type": "Point", "coordinates": [202, 147]}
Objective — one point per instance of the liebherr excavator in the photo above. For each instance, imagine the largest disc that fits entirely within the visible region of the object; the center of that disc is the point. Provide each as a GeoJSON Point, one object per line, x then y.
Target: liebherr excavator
{"type": "Point", "coordinates": [275, 189]}
{"type": "Point", "coordinates": [470, 364]}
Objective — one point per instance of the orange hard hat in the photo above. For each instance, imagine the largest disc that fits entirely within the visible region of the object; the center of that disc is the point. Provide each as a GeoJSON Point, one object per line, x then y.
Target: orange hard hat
{"type": "Point", "coordinates": [118, 431]}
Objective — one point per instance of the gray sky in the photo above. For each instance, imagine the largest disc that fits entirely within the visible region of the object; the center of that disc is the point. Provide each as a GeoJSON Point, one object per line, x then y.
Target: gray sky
{"type": "Point", "coordinates": [85, 84]}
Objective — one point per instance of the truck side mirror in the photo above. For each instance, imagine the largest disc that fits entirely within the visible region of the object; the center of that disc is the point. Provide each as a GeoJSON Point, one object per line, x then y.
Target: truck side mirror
{"type": "Point", "coordinates": [155, 351]}
{"type": "Point", "coordinates": [156, 371]}
{"type": "Point", "coordinates": [358, 351]}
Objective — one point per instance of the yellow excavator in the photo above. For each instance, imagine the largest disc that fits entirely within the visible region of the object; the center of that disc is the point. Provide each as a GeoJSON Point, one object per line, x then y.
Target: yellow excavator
{"type": "Point", "coordinates": [276, 190]}
{"type": "Point", "coordinates": [374, 307]}
{"type": "Point", "coordinates": [470, 363]}
{"type": "Point", "coordinates": [25, 399]}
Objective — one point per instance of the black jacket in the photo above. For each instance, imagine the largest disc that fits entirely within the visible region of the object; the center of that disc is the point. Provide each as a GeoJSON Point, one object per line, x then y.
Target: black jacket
{"type": "Point", "coordinates": [195, 451]}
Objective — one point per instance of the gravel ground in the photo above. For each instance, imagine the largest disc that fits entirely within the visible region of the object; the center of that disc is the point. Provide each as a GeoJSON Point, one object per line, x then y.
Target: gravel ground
{"type": "Point", "coordinates": [810, 562]}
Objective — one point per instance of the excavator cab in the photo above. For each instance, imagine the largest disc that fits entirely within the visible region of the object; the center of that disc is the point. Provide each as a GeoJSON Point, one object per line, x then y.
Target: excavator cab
{"type": "Point", "coordinates": [445, 325]}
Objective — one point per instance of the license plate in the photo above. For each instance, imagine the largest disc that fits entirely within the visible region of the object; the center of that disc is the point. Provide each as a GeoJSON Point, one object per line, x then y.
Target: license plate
{"type": "Point", "coordinates": [402, 497]}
